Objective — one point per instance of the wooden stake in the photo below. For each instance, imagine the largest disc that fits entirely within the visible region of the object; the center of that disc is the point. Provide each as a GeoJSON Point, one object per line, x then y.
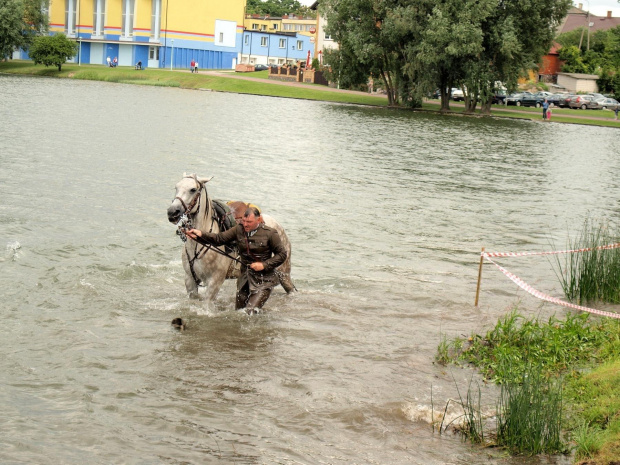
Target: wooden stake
{"type": "Point", "coordinates": [479, 277]}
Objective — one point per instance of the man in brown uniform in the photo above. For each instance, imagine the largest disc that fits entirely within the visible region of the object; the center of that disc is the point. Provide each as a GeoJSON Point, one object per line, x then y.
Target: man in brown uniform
{"type": "Point", "coordinates": [260, 252]}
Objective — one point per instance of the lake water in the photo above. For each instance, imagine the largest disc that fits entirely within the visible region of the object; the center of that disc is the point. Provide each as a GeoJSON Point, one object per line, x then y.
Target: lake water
{"type": "Point", "coordinates": [386, 210]}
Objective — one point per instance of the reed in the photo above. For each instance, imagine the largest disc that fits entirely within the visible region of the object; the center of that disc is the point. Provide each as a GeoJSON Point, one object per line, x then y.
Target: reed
{"type": "Point", "coordinates": [595, 275]}
{"type": "Point", "coordinates": [529, 414]}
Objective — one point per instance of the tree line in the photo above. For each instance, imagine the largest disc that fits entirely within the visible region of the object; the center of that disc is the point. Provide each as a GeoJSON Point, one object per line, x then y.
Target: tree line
{"type": "Point", "coordinates": [417, 46]}
{"type": "Point", "coordinates": [596, 53]}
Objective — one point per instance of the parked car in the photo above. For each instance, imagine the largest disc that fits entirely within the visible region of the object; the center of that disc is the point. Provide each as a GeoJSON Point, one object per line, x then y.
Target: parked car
{"type": "Point", "coordinates": [515, 99]}
{"type": "Point", "coordinates": [499, 98]}
{"type": "Point", "coordinates": [535, 100]}
{"type": "Point", "coordinates": [457, 94]}
{"type": "Point", "coordinates": [607, 103]}
{"type": "Point", "coordinates": [554, 100]}
{"type": "Point", "coordinates": [260, 67]}
{"type": "Point", "coordinates": [566, 99]}
{"type": "Point", "coordinates": [584, 102]}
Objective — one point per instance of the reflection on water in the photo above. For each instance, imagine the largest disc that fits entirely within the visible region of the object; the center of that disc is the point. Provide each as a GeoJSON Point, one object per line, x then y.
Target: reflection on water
{"type": "Point", "coordinates": [387, 211]}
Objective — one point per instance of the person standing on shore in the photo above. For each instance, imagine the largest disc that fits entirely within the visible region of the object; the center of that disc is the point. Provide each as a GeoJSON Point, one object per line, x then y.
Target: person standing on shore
{"type": "Point", "coordinates": [545, 107]}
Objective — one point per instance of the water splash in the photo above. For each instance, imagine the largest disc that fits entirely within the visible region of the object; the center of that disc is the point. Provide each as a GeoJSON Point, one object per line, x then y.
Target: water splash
{"type": "Point", "coordinates": [11, 250]}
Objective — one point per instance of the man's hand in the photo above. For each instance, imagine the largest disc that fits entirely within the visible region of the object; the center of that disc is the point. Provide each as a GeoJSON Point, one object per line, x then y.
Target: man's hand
{"type": "Point", "coordinates": [257, 266]}
{"type": "Point", "coordinates": [193, 233]}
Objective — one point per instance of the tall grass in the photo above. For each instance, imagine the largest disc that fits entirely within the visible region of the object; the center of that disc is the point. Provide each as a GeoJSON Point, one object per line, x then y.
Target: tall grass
{"type": "Point", "coordinates": [529, 414]}
{"type": "Point", "coordinates": [595, 275]}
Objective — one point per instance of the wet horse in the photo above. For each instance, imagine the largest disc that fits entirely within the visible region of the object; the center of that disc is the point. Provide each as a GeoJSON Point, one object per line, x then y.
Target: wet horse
{"type": "Point", "coordinates": [203, 265]}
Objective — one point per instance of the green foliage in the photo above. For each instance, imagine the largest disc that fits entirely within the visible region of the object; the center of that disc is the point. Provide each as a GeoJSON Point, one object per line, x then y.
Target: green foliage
{"type": "Point", "coordinates": [594, 275]}
{"type": "Point", "coordinates": [20, 21]}
{"type": "Point", "coordinates": [598, 53]}
{"type": "Point", "coordinates": [315, 63]}
{"type": "Point", "coordinates": [588, 440]}
{"type": "Point", "coordinates": [52, 50]}
{"type": "Point", "coordinates": [418, 46]}
{"type": "Point", "coordinates": [277, 8]}
{"type": "Point", "coordinates": [529, 414]}
{"type": "Point", "coordinates": [11, 25]}
{"type": "Point", "coordinates": [507, 351]}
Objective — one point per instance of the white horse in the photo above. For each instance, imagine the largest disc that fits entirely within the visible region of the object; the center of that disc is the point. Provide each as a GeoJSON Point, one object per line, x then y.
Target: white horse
{"type": "Point", "coordinates": [209, 266]}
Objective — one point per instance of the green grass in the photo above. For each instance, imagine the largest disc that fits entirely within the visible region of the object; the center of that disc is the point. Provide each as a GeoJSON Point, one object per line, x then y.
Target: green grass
{"type": "Point", "coordinates": [529, 414]}
{"type": "Point", "coordinates": [569, 365]}
{"type": "Point", "coordinates": [595, 275]}
{"type": "Point", "coordinates": [505, 352]}
{"type": "Point", "coordinates": [186, 80]}
{"type": "Point", "coordinates": [595, 414]}
{"type": "Point", "coordinates": [228, 83]}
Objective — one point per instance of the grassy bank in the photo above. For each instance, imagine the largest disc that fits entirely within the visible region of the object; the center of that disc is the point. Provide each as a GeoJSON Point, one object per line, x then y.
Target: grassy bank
{"type": "Point", "coordinates": [579, 353]}
{"type": "Point", "coordinates": [186, 80]}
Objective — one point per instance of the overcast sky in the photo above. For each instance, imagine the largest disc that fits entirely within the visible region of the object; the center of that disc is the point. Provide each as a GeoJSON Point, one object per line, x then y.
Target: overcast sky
{"type": "Point", "coordinates": [597, 7]}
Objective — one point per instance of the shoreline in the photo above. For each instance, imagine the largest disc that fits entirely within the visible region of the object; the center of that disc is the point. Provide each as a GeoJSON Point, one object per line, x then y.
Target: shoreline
{"type": "Point", "coordinates": [257, 83]}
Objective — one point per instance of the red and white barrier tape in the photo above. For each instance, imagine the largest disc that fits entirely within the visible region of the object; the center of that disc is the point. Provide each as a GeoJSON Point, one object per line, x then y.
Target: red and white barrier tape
{"type": "Point", "coordinates": [524, 254]}
{"type": "Point", "coordinates": [536, 293]}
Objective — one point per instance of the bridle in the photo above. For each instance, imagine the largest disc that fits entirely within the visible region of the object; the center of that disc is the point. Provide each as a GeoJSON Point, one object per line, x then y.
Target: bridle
{"type": "Point", "coordinates": [186, 222]}
{"type": "Point", "coordinates": [200, 186]}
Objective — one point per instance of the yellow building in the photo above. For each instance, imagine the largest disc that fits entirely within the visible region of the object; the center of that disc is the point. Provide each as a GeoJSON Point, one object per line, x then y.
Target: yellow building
{"type": "Point", "coordinates": [158, 33]}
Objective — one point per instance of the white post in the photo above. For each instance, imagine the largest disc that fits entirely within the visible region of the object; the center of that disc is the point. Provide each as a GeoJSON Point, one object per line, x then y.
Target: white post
{"type": "Point", "coordinates": [171, 53]}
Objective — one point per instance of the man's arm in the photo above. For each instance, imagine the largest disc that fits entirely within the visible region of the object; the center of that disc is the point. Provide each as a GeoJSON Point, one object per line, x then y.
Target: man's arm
{"type": "Point", "coordinates": [225, 237]}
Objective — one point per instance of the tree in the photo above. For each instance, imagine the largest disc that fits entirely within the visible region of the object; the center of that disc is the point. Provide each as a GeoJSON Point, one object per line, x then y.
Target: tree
{"type": "Point", "coordinates": [20, 21]}
{"type": "Point", "coordinates": [11, 26]}
{"type": "Point", "coordinates": [278, 8]}
{"type": "Point", "coordinates": [52, 50]}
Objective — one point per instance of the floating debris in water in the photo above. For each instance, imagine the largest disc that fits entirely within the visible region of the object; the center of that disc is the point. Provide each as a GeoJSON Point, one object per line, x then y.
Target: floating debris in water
{"type": "Point", "coordinates": [179, 324]}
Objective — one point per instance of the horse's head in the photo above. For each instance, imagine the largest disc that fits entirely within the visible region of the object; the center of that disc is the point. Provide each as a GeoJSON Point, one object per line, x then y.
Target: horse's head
{"type": "Point", "coordinates": [187, 192]}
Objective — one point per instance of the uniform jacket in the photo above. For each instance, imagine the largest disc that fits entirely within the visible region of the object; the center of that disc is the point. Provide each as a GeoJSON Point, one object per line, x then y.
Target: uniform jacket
{"type": "Point", "coordinates": [263, 246]}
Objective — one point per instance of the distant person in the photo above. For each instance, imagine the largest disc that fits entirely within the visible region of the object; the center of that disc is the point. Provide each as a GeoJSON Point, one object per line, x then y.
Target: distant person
{"type": "Point", "coordinates": [195, 66]}
{"type": "Point", "coordinates": [109, 62]}
{"type": "Point", "coordinates": [616, 113]}
{"type": "Point", "coordinates": [139, 65]}
{"type": "Point", "coordinates": [545, 107]}
{"type": "Point", "coordinates": [549, 114]}
{"type": "Point", "coordinates": [192, 65]}
{"type": "Point", "coordinates": [115, 62]}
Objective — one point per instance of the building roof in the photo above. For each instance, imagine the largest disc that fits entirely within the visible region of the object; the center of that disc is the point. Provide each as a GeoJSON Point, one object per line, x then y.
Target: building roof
{"type": "Point", "coordinates": [577, 17]}
{"type": "Point", "coordinates": [580, 76]}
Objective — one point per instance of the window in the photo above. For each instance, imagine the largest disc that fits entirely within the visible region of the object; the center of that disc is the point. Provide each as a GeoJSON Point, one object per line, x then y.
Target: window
{"type": "Point", "coordinates": [70, 11]}
{"type": "Point", "coordinates": [263, 27]}
{"type": "Point", "coordinates": [154, 53]}
{"type": "Point", "coordinates": [328, 37]}
{"type": "Point", "coordinates": [275, 27]}
{"type": "Point", "coordinates": [282, 43]}
{"type": "Point", "coordinates": [221, 37]}
{"type": "Point", "coordinates": [263, 41]}
{"type": "Point", "coordinates": [247, 39]}
{"type": "Point", "coordinates": [156, 20]}
{"type": "Point", "coordinates": [127, 17]}
{"type": "Point", "coordinates": [300, 45]}
{"type": "Point", "coordinates": [288, 27]}
{"type": "Point", "coordinates": [98, 17]}
{"type": "Point", "coordinates": [299, 27]}
{"type": "Point", "coordinates": [308, 27]}
{"type": "Point", "coordinates": [255, 26]}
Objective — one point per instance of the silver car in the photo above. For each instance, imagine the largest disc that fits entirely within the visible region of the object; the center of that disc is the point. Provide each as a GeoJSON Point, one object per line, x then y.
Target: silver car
{"type": "Point", "coordinates": [607, 103]}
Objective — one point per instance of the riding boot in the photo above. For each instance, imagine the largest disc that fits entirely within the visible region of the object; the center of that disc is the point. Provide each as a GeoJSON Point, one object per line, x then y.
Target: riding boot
{"type": "Point", "coordinates": [257, 300]}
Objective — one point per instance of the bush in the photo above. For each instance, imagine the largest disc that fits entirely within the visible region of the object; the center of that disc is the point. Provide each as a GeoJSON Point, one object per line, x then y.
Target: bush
{"type": "Point", "coordinates": [52, 50]}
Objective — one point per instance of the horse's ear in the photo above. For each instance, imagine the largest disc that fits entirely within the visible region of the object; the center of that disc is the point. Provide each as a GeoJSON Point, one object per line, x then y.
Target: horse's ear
{"type": "Point", "coordinates": [204, 180]}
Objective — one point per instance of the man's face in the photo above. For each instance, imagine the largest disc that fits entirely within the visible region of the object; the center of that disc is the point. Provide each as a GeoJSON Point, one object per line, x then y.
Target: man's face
{"type": "Point", "coordinates": [250, 222]}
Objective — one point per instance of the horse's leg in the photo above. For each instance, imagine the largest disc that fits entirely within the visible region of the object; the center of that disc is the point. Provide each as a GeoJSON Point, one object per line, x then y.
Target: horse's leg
{"type": "Point", "coordinates": [214, 283]}
{"type": "Point", "coordinates": [191, 286]}
{"type": "Point", "coordinates": [284, 275]}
